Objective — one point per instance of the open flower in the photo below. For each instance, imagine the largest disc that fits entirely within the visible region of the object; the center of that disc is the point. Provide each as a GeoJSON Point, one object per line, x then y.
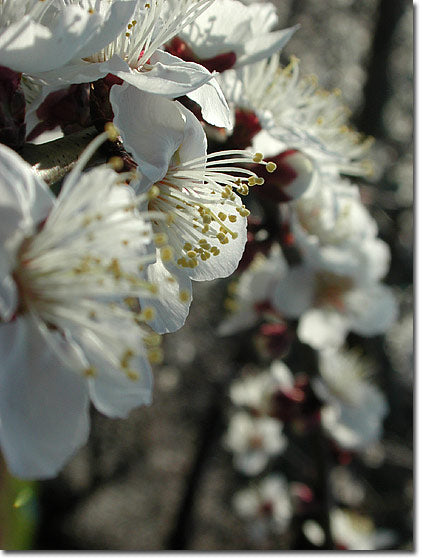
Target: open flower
{"type": "Point", "coordinates": [266, 506]}
{"type": "Point", "coordinates": [69, 274]}
{"type": "Point", "coordinates": [41, 36]}
{"type": "Point", "coordinates": [355, 408]}
{"type": "Point", "coordinates": [135, 58]}
{"type": "Point", "coordinates": [251, 295]}
{"type": "Point", "coordinates": [254, 441]}
{"type": "Point", "coordinates": [285, 111]}
{"type": "Point", "coordinates": [230, 34]}
{"type": "Point", "coordinates": [203, 234]}
{"type": "Point", "coordinates": [337, 289]}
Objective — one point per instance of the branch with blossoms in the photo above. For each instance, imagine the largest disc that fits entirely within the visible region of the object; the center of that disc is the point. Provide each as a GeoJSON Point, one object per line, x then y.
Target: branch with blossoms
{"type": "Point", "coordinates": [112, 203]}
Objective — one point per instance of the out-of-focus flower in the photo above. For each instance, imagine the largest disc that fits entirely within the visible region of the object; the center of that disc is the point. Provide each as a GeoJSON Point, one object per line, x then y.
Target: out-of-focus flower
{"type": "Point", "coordinates": [294, 113]}
{"type": "Point", "coordinates": [39, 36]}
{"type": "Point", "coordinates": [256, 391]}
{"type": "Point", "coordinates": [70, 331]}
{"type": "Point", "coordinates": [355, 408]}
{"type": "Point", "coordinates": [253, 441]}
{"type": "Point", "coordinates": [337, 289]}
{"type": "Point", "coordinates": [350, 531]}
{"type": "Point", "coordinates": [230, 35]}
{"type": "Point", "coordinates": [251, 296]}
{"type": "Point", "coordinates": [266, 506]}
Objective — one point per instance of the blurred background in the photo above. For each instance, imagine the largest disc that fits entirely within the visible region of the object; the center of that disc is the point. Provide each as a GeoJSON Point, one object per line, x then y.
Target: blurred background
{"type": "Point", "coordinates": [161, 480]}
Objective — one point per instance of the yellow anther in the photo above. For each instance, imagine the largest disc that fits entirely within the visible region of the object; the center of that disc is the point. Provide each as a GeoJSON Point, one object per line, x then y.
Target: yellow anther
{"type": "Point", "coordinates": [112, 131]}
{"type": "Point", "coordinates": [232, 218]}
{"type": "Point", "coordinates": [131, 302]}
{"type": "Point", "coordinates": [90, 371]}
{"type": "Point", "coordinates": [184, 296]}
{"type": "Point", "coordinates": [125, 359]}
{"type": "Point", "coordinates": [258, 157]}
{"type": "Point", "coordinates": [231, 304]}
{"type": "Point", "coordinates": [153, 288]}
{"type": "Point", "coordinates": [191, 254]}
{"type": "Point", "coordinates": [260, 181]}
{"type": "Point", "coordinates": [152, 339]}
{"type": "Point", "coordinates": [205, 229]}
{"type": "Point", "coordinates": [167, 254]}
{"type": "Point", "coordinates": [132, 375]}
{"type": "Point", "coordinates": [215, 251]}
{"type": "Point", "coordinates": [116, 163]}
{"type": "Point", "coordinates": [148, 314]}
{"type": "Point", "coordinates": [153, 192]}
{"type": "Point", "coordinates": [155, 356]}
{"type": "Point", "coordinates": [234, 234]}
{"type": "Point", "coordinates": [160, 239]}
{"type": "Point", "coordinates": [187, 247]}
{"type": "Point", "coordinates": [271, 167]}
{"type": "Point", "coordinates": [222, 216]}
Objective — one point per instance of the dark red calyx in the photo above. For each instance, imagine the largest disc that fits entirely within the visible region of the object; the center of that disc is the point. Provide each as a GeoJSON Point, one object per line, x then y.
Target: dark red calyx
{"type": "Point", "coordinates": [12, 109]}
{"type": "Point", "coordinates": [274, 187]}
{"type": "Point", "coordinates": [68, 108]}
{"type": "Point", "coordinates": [101, 109]}
{"type": "Point", "coordinates": [225, 61]}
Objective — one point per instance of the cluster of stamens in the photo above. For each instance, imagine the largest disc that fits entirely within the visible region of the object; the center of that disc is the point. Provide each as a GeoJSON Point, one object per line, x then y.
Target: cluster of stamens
{"type": "Point", "coordinates": [188, 194]}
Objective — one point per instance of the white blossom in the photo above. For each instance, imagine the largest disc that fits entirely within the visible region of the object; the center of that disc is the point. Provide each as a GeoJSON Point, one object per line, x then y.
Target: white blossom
{"type": "Point", "coordinates": [253, 441]}
{"type": "Point", "coordinates": [265, 505]}
{"type": "Point", "coordinates": [354, 408]}
{"type": "Point", "coordinates": [203, 234]}
{"type": "Point", "coordinates": [71, 329]}
{"type": "Point", "coordinates": [44, 35]}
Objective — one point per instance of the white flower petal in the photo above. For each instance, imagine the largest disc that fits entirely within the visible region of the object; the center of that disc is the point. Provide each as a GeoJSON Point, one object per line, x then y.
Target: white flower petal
{"type": "Point", "coordinates": [294, 293]}
{"type": "Point", "coordinates": [264, 45]}
{"type": "Point", "coordinates": [28, 46]}
{"type": "Point", "coordinates": [226, 262]}
{"type": "Point", "coordinates": [168, 76]}
{"type": "Point", "coordinates": [321, 328]}
{"type": "Point", "coordinates": [151, 127]}
{"type": "Point", "coordinates": [171, 309]}
{"type": "Point", "coordinates": [8, 291]}
{"type": "Point", "coordinates": [25, 199]}
{"type": "Point", "coordinates": [371, 310]}
{"type": "Point", "coordinates": [213, 104]}
{"type": "Point", "coordinates": [44, 407]}
{"type": "Point", "coordinates": [113, 23]}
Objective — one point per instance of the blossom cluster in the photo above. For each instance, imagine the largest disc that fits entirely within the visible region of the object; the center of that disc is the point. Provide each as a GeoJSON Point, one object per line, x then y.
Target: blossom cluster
{"type": "Point", "coordinates": [94, 274]}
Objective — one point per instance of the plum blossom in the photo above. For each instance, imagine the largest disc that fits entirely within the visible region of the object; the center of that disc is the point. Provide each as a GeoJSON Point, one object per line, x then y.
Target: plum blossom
{"type": "Point", "coordinates": [204, 231]}
{"type": "Point", "coordinates": [265, 505]}
{"type": "Point", "coordinates": [337, 289]}
{"type": "Point", "coordinates": [256, 392]}
{"type": "Point", "coordinates": [251, 295]}
{"type": "Point", "coordinates": [253, 441]}
{"type": "Point", "coordinates": [350, 531]}
{"type": "Point", "coordinates": [70, 330]}
{"type": "Point", "coordinates": [354, 408]}
{"type": "Point", "coordinates": [134, 57]}
{"type": "Point", "coordinates": [230, 34]}
{"type": "Point", "coordinates": [294, 112]}
{"type": "Point", "coordinates": [42, 36]}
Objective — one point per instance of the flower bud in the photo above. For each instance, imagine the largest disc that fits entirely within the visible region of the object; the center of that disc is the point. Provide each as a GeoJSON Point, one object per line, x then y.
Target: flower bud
{"type": "Point", "coordinates": [290, 180]}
